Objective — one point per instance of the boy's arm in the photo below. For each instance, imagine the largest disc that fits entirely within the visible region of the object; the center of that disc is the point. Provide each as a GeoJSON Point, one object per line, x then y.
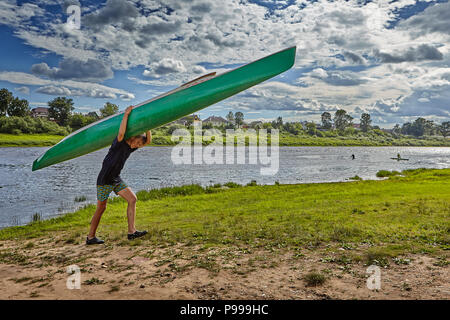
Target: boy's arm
{"type": "Point", "coordinates": [123, 124]}
{"type": "Point", "coordinates": [149, 137]}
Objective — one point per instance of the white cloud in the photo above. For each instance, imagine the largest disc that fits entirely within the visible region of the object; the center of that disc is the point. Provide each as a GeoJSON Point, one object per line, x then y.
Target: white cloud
{"type": "Point", "coordinates": [199, 69]}
{"type": "Point", "coordinates": [174, 44]}
{"type": "Point", "coordinates": [164, 67]}
{"type": "Point", "coordinates": [24, 90]}
{"type": "Point", "coordinates": [66, 87]}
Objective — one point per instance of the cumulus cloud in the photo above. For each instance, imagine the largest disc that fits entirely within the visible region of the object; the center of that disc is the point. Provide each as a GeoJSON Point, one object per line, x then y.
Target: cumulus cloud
{"type": "Point", "coordinates": [181, 37]}
{"type": "Point", "coordinates": [164, 67]}
{"type": "Point", "coordinates": [434, 19]}
{"type": "Point", "coordinates": [67, 3]}
{"type": "Point", "coordinates": [114, 11]}
{"type": "Point", "coordinates": [65, 87]}
{"type": "Point", "coordinates": [353, 57]}
{"type": "Point", "coordinates": [58, 91]}
{"type": "Point", "coordinates": [71, 92]}
{"type": "Point", "coordinates": [90, 70]}
{"type": "Point", "coordinates": [221, 40]}
{"type": "Point", "coordinates": [337, 78]}
{"type": "Point", "coordinates": [24, 90]}
{"type": "Point", "coordinates": [14, 15]}
{"type": "Point", "coordinates": [421, 53]}
{"type": "Point", "coordinates": [199, 69]}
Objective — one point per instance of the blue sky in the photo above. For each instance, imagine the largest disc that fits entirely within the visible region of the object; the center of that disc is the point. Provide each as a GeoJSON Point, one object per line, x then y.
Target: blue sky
{"type": "Point", "coordinates": [387, 58]}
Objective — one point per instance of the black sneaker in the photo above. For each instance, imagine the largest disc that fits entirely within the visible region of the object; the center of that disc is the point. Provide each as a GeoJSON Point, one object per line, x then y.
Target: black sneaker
{"type": "Point", "coordinates": [136, 234]}
{"type": "Point", "coordinates": [94, 240]}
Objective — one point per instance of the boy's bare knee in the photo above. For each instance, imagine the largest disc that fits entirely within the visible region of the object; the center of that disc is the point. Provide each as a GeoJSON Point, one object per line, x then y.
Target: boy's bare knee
{"type": "Point", "coordinates": [132, 200]}
{"type": "Point", "coordinates": [102, 205]}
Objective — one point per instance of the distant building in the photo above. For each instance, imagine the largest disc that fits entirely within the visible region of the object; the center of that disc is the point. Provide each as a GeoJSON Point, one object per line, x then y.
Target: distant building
{"type": "Point", "coordinates": [39, 112]}
{"type": "Point", "coordinates": [187, 120]}
{"type": "Point", "coordinates": [255, 124]}
{"type": "Point", "coordinates": [216, 121]}
{"type": "Point", "coordinates": [356, 126]}
{"type": "Point", "coordinates": [93, 114]}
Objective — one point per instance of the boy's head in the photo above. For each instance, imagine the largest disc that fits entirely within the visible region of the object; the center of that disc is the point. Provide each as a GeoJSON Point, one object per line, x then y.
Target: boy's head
{"type": "Point", "coordinates": [137, 141]}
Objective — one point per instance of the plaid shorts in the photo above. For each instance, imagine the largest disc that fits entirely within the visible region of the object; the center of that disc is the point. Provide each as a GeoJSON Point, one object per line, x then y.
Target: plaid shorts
{"type": "Point", "coordinates": [104, 190]}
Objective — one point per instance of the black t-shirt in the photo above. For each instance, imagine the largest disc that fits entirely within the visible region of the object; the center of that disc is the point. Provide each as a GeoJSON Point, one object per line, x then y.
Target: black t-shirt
{"type": "Point", "coordinates": [113, 163]}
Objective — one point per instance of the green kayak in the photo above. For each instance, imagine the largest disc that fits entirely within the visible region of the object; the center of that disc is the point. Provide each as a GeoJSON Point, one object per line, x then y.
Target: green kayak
{"type": "Point", "coordinates": [190, 97]}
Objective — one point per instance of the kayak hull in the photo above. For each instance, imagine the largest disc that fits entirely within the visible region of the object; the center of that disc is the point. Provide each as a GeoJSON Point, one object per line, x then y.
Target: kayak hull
{"type": "Point", "coordinates": [166, 108]}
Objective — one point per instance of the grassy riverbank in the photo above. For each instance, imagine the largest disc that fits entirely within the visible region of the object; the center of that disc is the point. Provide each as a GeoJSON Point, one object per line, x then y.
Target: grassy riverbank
{"type": "Point", "coordinates": [160, 138]}
{"type": "Point", "coordinates": [413, 207]}
{"type": "Point", "coordinates": [28, 140]}
{"type": "Point", "coordinates": [328, 230]}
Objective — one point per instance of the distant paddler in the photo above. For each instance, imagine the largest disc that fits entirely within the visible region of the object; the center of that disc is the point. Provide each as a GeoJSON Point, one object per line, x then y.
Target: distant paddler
{"type": "Point", "coordinates": [399, 158]}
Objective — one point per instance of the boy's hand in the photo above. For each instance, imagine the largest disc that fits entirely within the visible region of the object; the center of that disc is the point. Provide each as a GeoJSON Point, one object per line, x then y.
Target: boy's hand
{"type": "Point", "coordinates": [123, 124]}
{"type": "Point", "coordinates": [128, 110]}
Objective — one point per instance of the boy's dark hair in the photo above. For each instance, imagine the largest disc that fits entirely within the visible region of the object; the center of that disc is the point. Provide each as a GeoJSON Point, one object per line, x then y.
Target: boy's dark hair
{"type": "Point", "coordinates": [142, 137]}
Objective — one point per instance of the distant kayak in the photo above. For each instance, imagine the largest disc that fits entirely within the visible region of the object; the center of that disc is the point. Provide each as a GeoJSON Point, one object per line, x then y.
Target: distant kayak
{"type": "Point", "coordinates": [398, 159]}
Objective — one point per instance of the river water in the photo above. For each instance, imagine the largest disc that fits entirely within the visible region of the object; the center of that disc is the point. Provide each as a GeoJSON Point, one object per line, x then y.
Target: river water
{"type": "Point", "coordinates": [51, 191]}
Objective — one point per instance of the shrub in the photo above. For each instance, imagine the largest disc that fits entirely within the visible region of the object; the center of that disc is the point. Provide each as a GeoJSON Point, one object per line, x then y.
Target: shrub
{"type": "Point", "coordinates": [31, 125]}
{"type": "Point", "coordinates": [386, 173]}
{"type": "Point", "coordinates": [232, 185]}
{"type": "Point", "coordinates": [314, 279]}
{"type": "Point", "coordinates": [175, 127]}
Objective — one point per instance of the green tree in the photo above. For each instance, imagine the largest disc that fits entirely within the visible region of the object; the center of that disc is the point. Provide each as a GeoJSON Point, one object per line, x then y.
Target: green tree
{"type": "Point", "coordinates": [430, 128]}
{"type": "Point", "coordinates": [18, 108]}
{"type": "Point", "coordinates": [109, 109]}
{"type": "Point", "coordinates": [311, 128]}
{"type": "Point", "coordinates": [396, 130]}
{"type": "Point", "coordinates": [239, 118]}
{"type": "Point", "coordinates": [418, 127]}
{"type": "Point", "coordinates": [230, 117]}
{"type": "Point", "coordinates": [444, 129]}
{"type": "Point", "coordinates": [365, 122]}
{"type": "Point", "coordinates": [5, 99]}
{"type": "Point", "coordinates": [291, 128]}
{"type": "Point", "coordinates": [77, 121]}
{"type": "Point", "coordinates": [277, 124]}
{"type": "Point", "coordinates": [326, 120]}
{"type": "Point", "coordinates": [342, 120]}
{"type": "Point", "coordinates": [406, 128]}
{"type": "Point", "coordinates": [60, 109]}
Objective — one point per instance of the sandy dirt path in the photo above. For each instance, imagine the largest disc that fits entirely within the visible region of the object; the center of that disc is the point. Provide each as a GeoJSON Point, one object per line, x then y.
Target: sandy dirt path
{"type": "Point", "coordinates": [38, 271]}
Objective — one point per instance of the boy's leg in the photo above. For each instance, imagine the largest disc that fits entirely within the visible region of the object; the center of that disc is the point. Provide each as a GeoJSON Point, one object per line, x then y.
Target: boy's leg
{"type": "Point", "coordinates": [130, 197]}
{"type": "Point", "coordinates": [103, 192]}
{"type": "Point", "coordinates": [101, 207]}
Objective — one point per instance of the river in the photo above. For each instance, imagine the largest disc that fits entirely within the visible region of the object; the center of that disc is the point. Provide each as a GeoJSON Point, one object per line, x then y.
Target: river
{"type": "Point", "coordinates": [51, 191]}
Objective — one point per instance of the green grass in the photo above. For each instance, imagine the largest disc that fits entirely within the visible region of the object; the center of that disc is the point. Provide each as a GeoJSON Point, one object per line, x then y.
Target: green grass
{"type": "Point", "coordinates": [314, 279]}
{"type": "Point", "coordinates": [162, 138]}
{"type": "Point", "coordinates": [408, 212]}
{"type": "Point", "coordinates": [386, 173]}
{"type": "Point", "coordinates": [370, 139]}
{"type": "Point", "coordinates": [28, 140]}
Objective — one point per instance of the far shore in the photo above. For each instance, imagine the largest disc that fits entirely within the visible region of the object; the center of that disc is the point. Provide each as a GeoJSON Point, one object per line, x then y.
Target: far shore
{"type": "Point", "coordinates": [46, 140]}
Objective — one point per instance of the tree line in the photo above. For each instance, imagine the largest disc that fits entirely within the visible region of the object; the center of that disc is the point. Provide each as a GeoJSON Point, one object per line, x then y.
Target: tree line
{"type": "Point", "coordinates": [60, 110]}
{"type": "Point", "coordinates": [16, 116]}
{"type": "Point", "coordinates": [342, 122]}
